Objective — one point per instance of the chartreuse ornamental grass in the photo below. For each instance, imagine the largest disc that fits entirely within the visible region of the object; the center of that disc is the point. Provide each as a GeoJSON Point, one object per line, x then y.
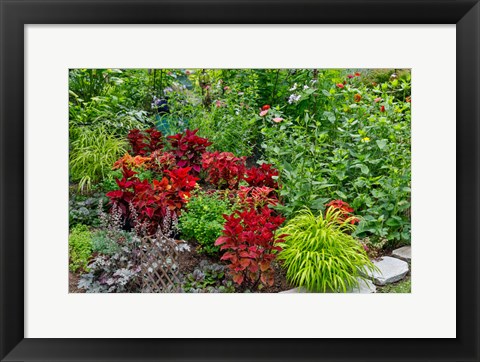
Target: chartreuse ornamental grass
{"type": "Point", "coordinates": [320, 254]}
{"type": "Point", "coordinates": [92, 154]}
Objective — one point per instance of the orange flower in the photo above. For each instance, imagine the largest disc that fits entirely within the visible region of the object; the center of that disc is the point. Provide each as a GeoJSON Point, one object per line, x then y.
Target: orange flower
{"type": "Point", "coordinates": [357, 97]}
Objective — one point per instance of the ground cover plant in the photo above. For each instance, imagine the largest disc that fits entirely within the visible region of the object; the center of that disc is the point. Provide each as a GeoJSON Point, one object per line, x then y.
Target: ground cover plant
{"type": "Point", "coordinates": [236, 180]}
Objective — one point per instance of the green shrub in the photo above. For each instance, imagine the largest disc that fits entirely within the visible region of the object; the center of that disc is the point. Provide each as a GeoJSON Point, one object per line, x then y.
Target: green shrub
{"type": "Point", "coordinates": [355, 146]}
{"type": "Point", "coordinates": [203, 221]}
{"type": "Point", "coordinates": [320, 254]}
{"type": "Point", "coordinates": [79, 248]}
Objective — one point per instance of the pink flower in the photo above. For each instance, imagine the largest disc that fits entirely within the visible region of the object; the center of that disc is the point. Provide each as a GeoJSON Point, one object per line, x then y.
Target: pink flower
{"type": "Point", "coordinates": [263, 113]}
{"type": "Point", "coordinates": [340, 85]}
{"type": "Point", "coordinates": [349, 76]}
{"type": "Point", "coordinates": [226, 88]}
{"type": "Point", "coordinates": [277, 119]}
{"type": "Point", "coordinates": [218, 104]}
{"type": "Point", "coordinates": [376, 100]}
{"type": "Point", "coordinates": [187, 72]}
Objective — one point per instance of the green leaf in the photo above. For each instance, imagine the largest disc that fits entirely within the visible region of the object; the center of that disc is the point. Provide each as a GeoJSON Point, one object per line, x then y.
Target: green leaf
{"type": "Point", "coordinates": [364, 169]}
{"type": "Point", "coordinates": [330, 116]}
{"type": "Point", "coordinates": [381, 144]}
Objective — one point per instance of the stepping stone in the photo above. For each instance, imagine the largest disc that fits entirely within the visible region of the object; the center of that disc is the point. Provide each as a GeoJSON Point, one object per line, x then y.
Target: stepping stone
{"type": "Point", "coordinates": [365, 287]}
{"type": "Point", "coordinates": [391, 270]}
{"type": "Point", "coordinates": [404, 253]}
{"type": "Point", "coordinates": [295, 290]}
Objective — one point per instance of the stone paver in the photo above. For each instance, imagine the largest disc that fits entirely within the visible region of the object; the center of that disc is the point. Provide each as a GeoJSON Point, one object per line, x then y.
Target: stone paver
{"type": "Point", "coordinates": [391, 270]}
{"type": "Point", "coordinates": [365, 287]}
{"type": "Point", "coordinates": [404, 253]}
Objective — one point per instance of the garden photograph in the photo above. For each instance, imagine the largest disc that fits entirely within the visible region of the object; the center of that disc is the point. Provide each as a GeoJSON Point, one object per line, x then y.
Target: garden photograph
{"type": "Point", "coordinates": [239, 180]}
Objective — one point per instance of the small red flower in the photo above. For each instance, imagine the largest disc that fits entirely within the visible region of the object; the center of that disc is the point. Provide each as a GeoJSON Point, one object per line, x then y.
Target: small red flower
{"type": "Point", "coordinates": [408, 99]}
{"type": "Point", "coordinates": [266, 107]}
{"type": "Point", "coordinates": [350, 76]}
{"type": "Point", "coordinates": [357, 74]}
{"type": "Point", "coordinates": [340, 85]}
{"type": "Point", "coordinates": [357, 97]}
{"type": "Point", "coordinates": [382, 109]}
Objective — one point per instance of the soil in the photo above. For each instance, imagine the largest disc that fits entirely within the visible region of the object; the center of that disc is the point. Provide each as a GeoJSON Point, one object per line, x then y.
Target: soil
{"type": "Point", "coordinates": [73, 282]}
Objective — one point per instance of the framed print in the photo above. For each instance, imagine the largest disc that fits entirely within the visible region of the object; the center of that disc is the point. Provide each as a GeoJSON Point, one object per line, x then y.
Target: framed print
{"type": "Point", "coordinates": [239, 180]}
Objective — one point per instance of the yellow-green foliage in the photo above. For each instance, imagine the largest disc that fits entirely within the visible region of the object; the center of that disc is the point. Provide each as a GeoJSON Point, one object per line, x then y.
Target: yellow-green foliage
{"type": "Point", "coordinates": [79, 248]}
{"type": "Point", "coordinates": [320, 254]}
{"type": "Point", "coordinates": [92, 154]}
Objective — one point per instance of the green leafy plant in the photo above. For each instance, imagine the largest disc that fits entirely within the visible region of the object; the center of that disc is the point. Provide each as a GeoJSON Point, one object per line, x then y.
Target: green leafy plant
{"type": "Point", "coordinates": [319, 254]}
{"type": "Point", "coordinates": [208, 278]}
{"type": "Point", "coordinates": [203, 220]}
{"type": "Point", "coordinates": [79, 248]}
{"type": "Point", "coordinates": [84, 208]}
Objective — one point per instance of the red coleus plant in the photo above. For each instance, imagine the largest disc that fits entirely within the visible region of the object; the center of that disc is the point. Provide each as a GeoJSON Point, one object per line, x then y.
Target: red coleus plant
{"type": "Point", "coordinates": [145, 142]}
{"type": "Point", "coordinates": [125, 193]}
{"type": "Point", "coordinates": [262, 176]}
{"type": "Point", "coordinates": [345, 209]}
{"type": "Point", "coordinates": [256, 197]}
{"type": "Point", "coordinates": [161, 161]}
{"type": "Point", "coordinates": [151, 201]}
{"type": "Point", "coordinates": [188, 149]}
{"type": "Point", "coordinates": [224, 170]}
{"type": "Point", "coordinates": [248, 239]}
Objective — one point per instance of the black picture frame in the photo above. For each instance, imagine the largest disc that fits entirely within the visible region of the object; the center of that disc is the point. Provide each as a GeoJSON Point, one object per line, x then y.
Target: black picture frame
{"type": "Point", "coordinates": [15, 14]}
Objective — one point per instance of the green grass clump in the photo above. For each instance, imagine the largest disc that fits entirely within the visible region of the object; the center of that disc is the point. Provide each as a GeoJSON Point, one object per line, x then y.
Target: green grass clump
{"type": "Point", "coordinates": [92, 154]}
{"type": "Point", "coordinates": [320, 254]}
